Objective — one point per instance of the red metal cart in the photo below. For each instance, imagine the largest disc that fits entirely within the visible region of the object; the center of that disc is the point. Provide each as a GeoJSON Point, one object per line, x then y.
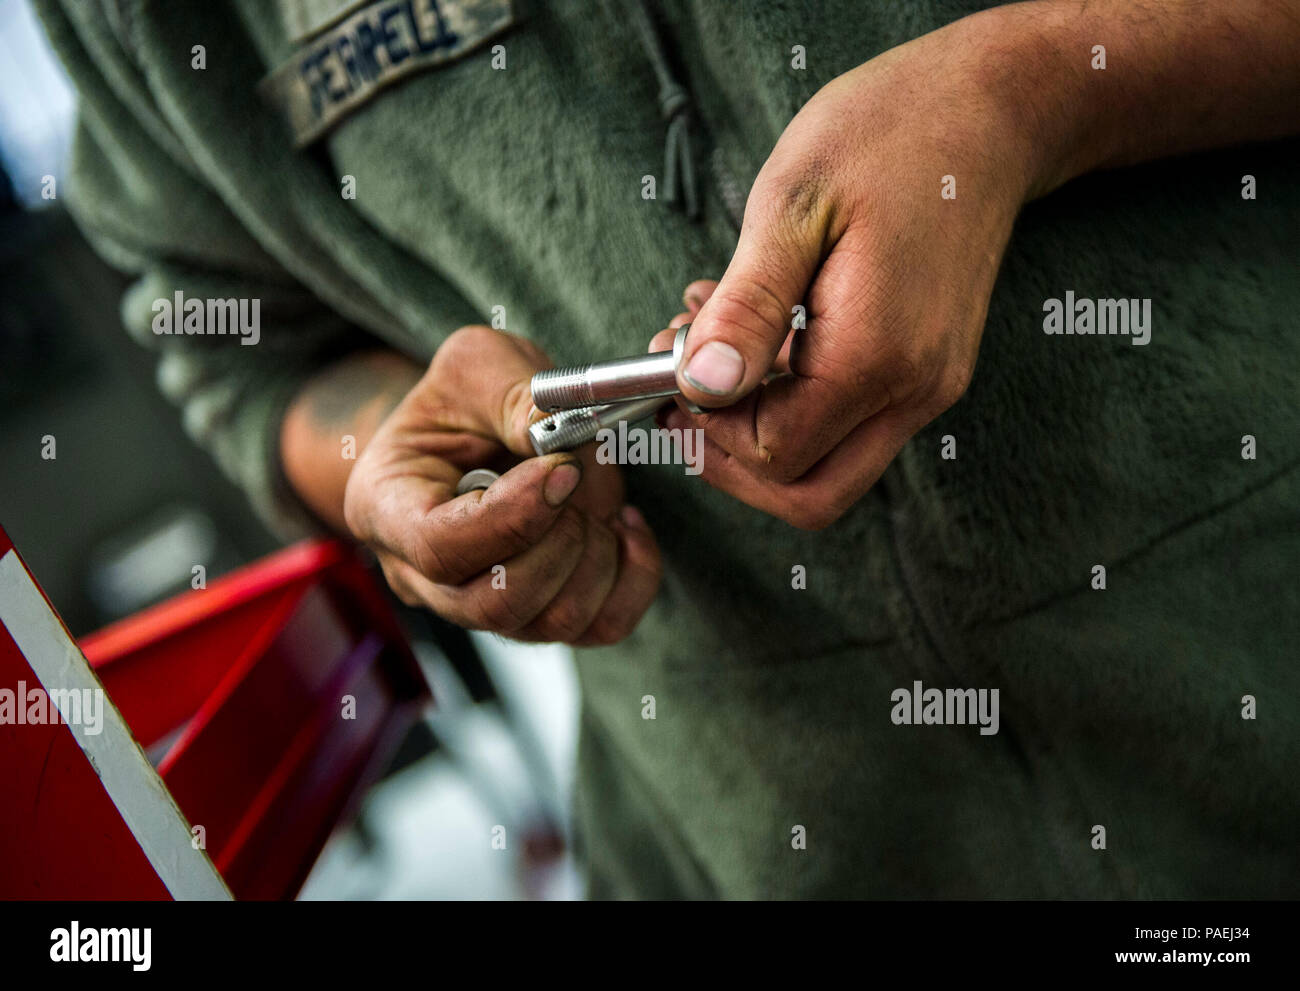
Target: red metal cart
{"type": "Point", "coordinates": [239, 724]}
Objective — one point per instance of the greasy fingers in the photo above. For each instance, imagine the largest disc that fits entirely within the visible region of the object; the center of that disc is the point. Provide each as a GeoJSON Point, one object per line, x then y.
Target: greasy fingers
{"type": "Point", "coordinates": [449, 538]}
{"type": "Point", "coordinates": [542, 553]}
{"type": "Point", "coordinates": [639, 572]}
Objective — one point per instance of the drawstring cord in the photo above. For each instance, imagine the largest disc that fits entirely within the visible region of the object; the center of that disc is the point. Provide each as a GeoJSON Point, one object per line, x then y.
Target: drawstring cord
{"type": "Point", "coordinates": [675, 107]}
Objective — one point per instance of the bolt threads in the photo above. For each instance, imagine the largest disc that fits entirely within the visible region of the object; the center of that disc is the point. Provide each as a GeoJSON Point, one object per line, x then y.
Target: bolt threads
{"type": "Point", "coordinates": [564, 431]}
{"type": "Point", "coordinates": [639, 376]}
{"type": "Point", "coordinates": [563, 388]}
{"type": "Point", "coordinates": [570, 428]}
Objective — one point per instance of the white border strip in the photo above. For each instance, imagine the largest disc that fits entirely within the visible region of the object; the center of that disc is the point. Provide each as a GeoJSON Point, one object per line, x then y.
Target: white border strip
{"type": "Point", "coordinates": [130, 780]}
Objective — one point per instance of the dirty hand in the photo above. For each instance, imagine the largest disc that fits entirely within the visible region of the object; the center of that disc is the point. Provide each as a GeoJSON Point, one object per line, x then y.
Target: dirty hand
{"type": "Point", "coordinates": [848, 219]}
{"type": "Point", "coordinates": [577, 565]}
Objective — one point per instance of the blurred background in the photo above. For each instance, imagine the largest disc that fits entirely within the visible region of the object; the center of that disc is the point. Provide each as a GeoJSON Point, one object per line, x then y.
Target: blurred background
{"type": "Point", "coordinates": [115, 522]}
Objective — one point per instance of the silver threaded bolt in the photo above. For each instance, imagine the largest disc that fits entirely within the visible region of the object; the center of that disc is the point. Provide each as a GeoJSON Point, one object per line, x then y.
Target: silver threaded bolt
{"type": "Point", "coordinates": [572, 428]}
{"type": "Point", "coordinates": [642, 376]}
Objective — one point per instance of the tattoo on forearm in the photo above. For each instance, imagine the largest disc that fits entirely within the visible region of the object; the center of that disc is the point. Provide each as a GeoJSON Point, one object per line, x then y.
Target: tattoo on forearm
{"type": "Point", "coordinates": [337, 395]}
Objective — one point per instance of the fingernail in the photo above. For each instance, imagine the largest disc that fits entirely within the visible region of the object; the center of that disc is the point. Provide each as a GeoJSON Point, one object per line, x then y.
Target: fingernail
{"type": "Point", "coordinates": [560, 483]}
{"type": "Point", "coordinates": [631, 516]}
{"type": "Point", "coordinates": [692, 301]}
{"type": "Point", "coordinates": [716, 368]}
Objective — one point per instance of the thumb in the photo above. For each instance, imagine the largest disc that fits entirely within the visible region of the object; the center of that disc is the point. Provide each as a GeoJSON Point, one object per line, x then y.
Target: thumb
{"type": "Point", "coordinates": [735, 337]}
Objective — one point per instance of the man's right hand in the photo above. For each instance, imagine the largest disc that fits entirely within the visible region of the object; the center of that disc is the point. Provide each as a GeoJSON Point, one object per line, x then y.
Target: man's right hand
{"type": "Point", "coordinates": [577, 565]}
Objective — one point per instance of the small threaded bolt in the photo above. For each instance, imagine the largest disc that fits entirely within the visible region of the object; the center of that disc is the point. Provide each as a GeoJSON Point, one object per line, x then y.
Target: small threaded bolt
{"type": "Point", "coordinates": [642, 376]}
{"type": "Point", "coordinates": [572, 428]}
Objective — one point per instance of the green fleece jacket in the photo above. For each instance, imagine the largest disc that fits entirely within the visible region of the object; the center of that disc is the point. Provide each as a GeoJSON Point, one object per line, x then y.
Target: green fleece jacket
{"type": "Point", "coordinates": [776, 764]}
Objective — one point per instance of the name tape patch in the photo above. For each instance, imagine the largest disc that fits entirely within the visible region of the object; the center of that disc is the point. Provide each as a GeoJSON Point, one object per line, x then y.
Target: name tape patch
{"type": "Point", "coordinates": [339, 70]}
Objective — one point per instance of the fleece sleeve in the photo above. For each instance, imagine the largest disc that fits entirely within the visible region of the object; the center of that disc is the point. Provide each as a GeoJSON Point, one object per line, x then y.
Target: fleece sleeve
{"type": "Point", "coordinates": [143, 203]}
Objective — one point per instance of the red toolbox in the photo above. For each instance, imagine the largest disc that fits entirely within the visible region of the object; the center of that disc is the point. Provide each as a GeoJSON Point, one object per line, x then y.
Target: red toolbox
{"type": "Point", "coordinates": [238, 724]}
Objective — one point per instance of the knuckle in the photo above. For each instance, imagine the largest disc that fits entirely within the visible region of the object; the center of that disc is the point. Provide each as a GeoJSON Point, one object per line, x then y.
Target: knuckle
{"type": "Point", "coordinates": [903, 370]}
{"type": "Point", "coordinates": [614, 627]}
{"type": "Point", "coordinates": [748, 313]}
{"type": "Point", "coordinates": [953, 384]}
{"type": "Point", "coordinates": [563, 621]}
{"type": "Point", "coordinates": [520, 527]}
{"type": "Point", "coordinates": [786, 471]}
{"type": "Point", "coordinates": [461, 345]}
{"type": "Point", "coordinates": [604, 633]}
{"type": "Point", "coordinates": [812, 520]}
{"type": "Point", "coordinates": [570, 527]}
{"type": "Point", "coordinates": [500, 610]}
{"type": "Point", "coordinates": [812, 513]}
{"type": "Point", "coordinates": [457, 608]}
{"type": "Point", "coordinates": [796, 194]}
{"type": "Point", "coordinates": [780, 457]}
{"type": "Point", "coordinates": [772, 459]}
{"type": "Point", "coordinates": [468, 338]}
{"type": "Point", "coordinates": [400, 587]}
{"type": "Point", "coordinates": [438, 564]}
{"type": "Point", "coordinates": [522, 531]}
{"type": "Point", "coordinates": [358, 507]}
{"type": "Point", "coordinates": [463, 617]}
{"type": "Point", "coordinates": [404, 593]}
{"type": "Point", "coordinates": [354, 517]}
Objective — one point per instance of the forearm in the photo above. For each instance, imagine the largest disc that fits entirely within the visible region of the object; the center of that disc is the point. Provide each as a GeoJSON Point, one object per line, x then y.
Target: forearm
{"type": "Point", "coordinates": [1180, 76]}
{"type": "Point", "coordinates": [332, 419]}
